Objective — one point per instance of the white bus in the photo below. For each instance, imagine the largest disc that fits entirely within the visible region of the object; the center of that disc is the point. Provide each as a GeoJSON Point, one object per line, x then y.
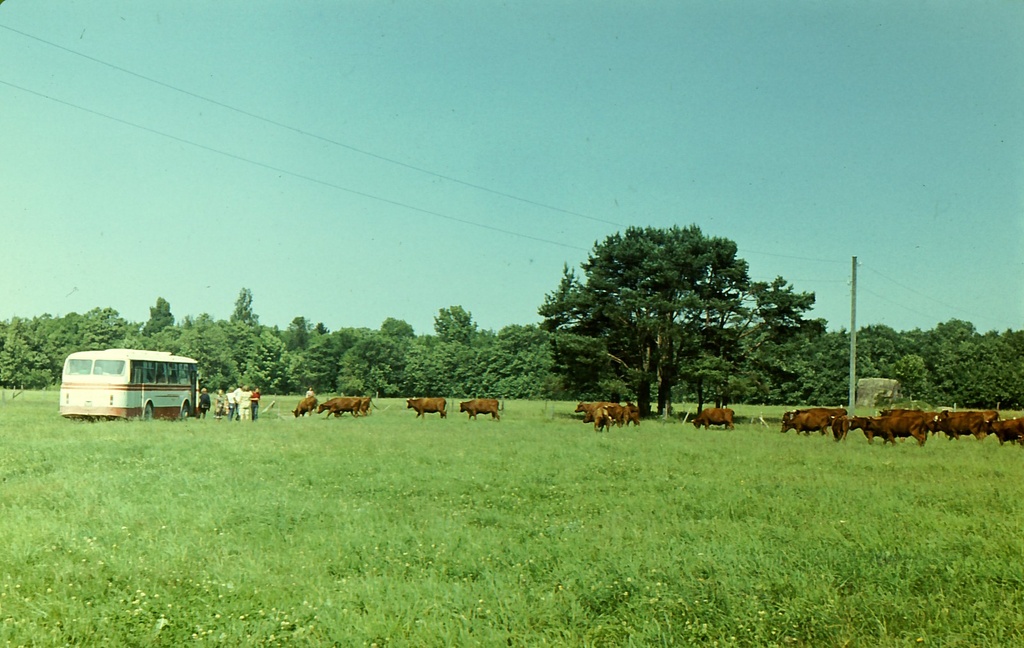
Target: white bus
{"type": "Point", "coordinates": [127, 383]}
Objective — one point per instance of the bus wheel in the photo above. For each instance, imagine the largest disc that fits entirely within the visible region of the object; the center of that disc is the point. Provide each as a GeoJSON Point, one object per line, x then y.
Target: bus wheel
{"type": "Point", "coordinates": [184, 411]}
{"type": "Point", "coordinates": [147, 414]}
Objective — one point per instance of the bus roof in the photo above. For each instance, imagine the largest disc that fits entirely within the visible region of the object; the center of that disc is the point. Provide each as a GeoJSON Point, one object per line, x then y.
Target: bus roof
{"type": "Point", "coordinates": [131, 354]}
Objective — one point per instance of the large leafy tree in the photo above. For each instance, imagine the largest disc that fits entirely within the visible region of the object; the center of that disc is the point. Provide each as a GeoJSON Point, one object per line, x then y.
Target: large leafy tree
{"type": "Point", "coordinates": [455, 325]}
{"type": "Point", "coordinates": [206, 340]}
{"type": "Point", "coordinates": [243, 312]}
{"type": "Point", "coordinates": [22, 363]}
{"type": "Point", "coordinates": [297, 336]}
{"type": "Point", "coordinates": [320, 365]}
{"type": "Point", "coordinates": [160, 317]}
{"type": "Point", "coordinates": [910, 370]}
{"type": "Point", "coordinates": [879, 347]}
{"type": "Point", "coordinates": [671, 305]}
{"type": "Point", "coordinates": [517, 364]}
{"type": "Point", "coordinates": [373, 366]}
{"type": "Point", "coordinates": [449, 363]}
{"type": "Point", "coordinates": [104, 328]}
{"type": "Point", "coordinates": [429, 368]}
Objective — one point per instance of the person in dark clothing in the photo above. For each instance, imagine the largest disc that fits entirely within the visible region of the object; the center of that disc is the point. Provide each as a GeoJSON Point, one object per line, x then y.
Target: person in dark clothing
{"type": "Point", "coordinates": [204, 403]}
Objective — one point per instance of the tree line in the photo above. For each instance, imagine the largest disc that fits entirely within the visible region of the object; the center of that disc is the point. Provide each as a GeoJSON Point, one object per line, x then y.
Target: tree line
{"type": "Point", "coordinates": [660, 314]}
{"type": "Point", "coordinates": [655, 316]}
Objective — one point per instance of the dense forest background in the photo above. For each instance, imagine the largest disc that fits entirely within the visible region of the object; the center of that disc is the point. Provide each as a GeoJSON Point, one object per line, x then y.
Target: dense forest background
{"type": "Point", "coordinates": [658, 316]}
{"type": "Point", "coordinates": [951, 363]}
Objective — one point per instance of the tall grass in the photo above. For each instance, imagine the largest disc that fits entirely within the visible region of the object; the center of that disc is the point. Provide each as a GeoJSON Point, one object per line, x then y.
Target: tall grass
{"type": "Point", "coordinates": [535, 530]}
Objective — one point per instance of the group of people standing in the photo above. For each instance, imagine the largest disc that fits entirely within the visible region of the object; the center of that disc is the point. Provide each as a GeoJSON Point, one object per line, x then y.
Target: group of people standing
{"type": "Point", "coordinates": [242, 404]}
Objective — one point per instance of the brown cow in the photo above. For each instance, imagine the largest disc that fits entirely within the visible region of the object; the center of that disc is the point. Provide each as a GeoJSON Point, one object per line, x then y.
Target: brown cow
{"type": "Point", "coordinates": [340, 405]}
{"type": "Point", "coordinates": [925, 417]}
{"type": "Point", "coordinates": [587, 408]}
{"type": "Point", "coordinates": [841, 424]}
{"type": "Point", "coordinates": [480, 406]}
{"type": "Point", "coordinates": [714, 416]}
{"type": "Point", "coordinates": [364, 406]}
{"type": "Point", "coordinates": [891, 427]}
{"type": "Point", "coordinates": [306, 406]}
{"type": "Point", "coordinates": [857, 423]}
{"type": "Point", "coordinates": [840, 427]}
{"type": "Point", "coordinates": [602, 419]}
{"type": "Point", "coordinates": [816, 419]}
{"type": "Point", "coordinates": [615, 411]}
{"type": "Point", "coordinates": [956, 423]}
{"type": "Point", "coordinates": [632, 413]}
{"type": "Point", "coordinates": [1009, 430]}
{"type": "Point", "coordinates": [424, 406]}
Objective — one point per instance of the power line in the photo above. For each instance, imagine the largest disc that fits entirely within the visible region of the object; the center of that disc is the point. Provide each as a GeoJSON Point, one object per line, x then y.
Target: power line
{"type": "Point", "coordinates": [928, 298]}
{"type": "Point", "coordinates": [893, 302]}
{"type": "Point", "coordinates": [293, 174]}
{"type": "Point", "coordinates": [306, 133]}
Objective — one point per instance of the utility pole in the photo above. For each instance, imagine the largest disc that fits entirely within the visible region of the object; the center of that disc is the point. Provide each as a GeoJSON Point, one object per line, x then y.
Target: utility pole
{"type": "Point", "coordinates": [853, 339]}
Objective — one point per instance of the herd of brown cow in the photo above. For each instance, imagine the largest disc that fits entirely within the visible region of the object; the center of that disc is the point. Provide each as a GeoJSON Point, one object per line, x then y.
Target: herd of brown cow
{"type": "Point", "coordinates": [889, 424]}
{"type": "Point", "coordinates": [895, 424]}
{"type": "Point", "coordinates": [424, 406]}
{"type": "Point", "coordinates": [603, 414]}
{"type": "Point", "coordinates": [360, 406]}
{"type": "Point", "coordinates": [356, 405]}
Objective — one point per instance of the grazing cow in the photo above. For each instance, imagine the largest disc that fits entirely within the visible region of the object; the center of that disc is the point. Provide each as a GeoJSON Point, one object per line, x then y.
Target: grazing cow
{"type": "Point", "coordinates": [956, 423]}
{"type": "Point", "coordinates": [424, 406]}
{"type": "Point", "coordinates": [364, 406]}
{"type": "Point", "coordinates": [306, 406]}
{"type": "Point", "coordinates": [714, 416]}
{"type": "Point", "coordinates": [891, 427]}
{"type": "Point", "coordinates": [816, 419]}
{"type": "Point", "coordinates": [480, 406]}
{"type": "Point", "coordinates": [602, 419]}
{"type": "Point", "coordinates": [632, 413]}
{"type": "Point", "coordinates": [340, 405]}
{"type": "Point", "coordinates": [1009, 430]}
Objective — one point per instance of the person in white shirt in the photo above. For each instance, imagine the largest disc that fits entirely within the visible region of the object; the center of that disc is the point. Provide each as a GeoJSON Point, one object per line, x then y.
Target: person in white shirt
{"type": "Point", "coordinates": [236, 397]}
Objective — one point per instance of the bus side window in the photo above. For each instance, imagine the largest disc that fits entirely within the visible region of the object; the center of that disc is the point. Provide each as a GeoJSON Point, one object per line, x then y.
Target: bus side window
{"type": "Point", "coordinates": [143, 371]}
{"type": "Point", "coordinates": [184, 374]}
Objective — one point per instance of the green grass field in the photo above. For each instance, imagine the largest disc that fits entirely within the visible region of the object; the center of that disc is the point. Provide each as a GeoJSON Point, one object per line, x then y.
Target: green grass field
{"type": "Point", "coordinates": [531, 531]}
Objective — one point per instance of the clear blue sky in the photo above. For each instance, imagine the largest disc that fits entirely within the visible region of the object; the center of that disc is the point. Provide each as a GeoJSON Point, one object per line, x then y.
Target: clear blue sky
{"type": "Point", "coordinates": [353, 161]}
